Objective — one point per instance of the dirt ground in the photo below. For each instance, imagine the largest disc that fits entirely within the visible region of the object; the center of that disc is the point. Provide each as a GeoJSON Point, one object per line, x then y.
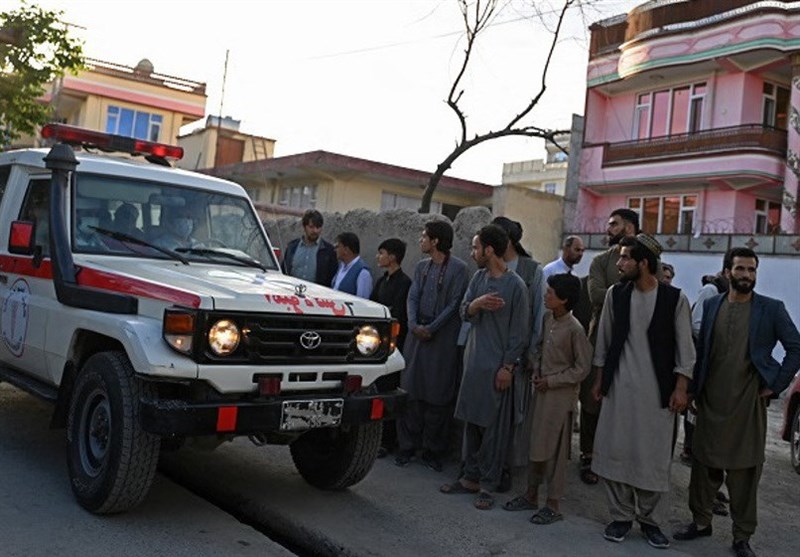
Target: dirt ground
{"type": "Point", "coordinates": [778, 533]}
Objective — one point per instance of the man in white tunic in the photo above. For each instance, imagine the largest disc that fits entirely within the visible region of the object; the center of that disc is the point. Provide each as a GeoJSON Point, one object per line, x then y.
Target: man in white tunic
{"type": "Point", "coordinates": [644, 356]}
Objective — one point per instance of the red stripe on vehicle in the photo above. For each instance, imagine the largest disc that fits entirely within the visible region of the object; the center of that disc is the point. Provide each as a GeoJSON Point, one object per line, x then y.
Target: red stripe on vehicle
{"type": "Point", "coordinates": [102, 280]}
{"type": "Point", "coordinates": [128, 285]}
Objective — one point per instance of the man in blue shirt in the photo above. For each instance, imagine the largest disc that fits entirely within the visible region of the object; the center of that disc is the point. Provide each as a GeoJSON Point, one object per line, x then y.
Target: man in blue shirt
{"type": "Point", "coordinates": [310, 257]}
{"type": "Point", "coordinates": [353, 276]}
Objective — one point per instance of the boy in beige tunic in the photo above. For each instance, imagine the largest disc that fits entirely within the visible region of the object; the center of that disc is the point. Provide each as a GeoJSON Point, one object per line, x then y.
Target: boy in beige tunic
{"type": "Point", "coordinates": [564, 361]}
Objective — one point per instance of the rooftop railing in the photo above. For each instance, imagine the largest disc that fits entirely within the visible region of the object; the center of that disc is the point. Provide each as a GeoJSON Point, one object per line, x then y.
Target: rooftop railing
{"type": "Point", "coordinates": [154, 78]}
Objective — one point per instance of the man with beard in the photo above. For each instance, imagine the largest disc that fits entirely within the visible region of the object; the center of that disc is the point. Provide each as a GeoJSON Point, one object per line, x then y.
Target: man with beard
{"type": "Point", "coordinates": [310, 257]}
{"type": "Point", "coordinates": [496, 304]}
{"type": "Point", "coordinates": [603, 274]}
{"type": "Point", "coordinates": [644, 356]}
{"type": "Point", "coordinates": [571, 254]}
{"type": "Point", "coordinates": [735, 376]}
{"type": "Point", "coordinates": [431, 374]}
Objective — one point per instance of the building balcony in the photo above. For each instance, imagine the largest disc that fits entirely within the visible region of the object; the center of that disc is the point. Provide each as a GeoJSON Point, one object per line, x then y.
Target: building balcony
{"type": "Point", "coordinates": [735, 139]}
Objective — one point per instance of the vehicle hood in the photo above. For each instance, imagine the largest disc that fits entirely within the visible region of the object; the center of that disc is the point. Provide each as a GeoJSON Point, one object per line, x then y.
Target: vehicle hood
{"type": "Point", "coordinates": [220, 287]}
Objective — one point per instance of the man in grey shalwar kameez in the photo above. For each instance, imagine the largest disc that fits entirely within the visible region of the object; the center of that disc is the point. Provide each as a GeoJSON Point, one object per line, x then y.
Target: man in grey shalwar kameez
{"type": "Point", "coordinates": [432, 366]}
{"type": "Point", "coordinates": [496, 305]}
{"type": "Point", "coordinates": [644, 355]}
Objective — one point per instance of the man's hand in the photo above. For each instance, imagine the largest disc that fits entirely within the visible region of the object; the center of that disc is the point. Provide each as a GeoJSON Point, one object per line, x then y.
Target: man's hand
{"type": "Point", "coordinates": [503, 378]}
{"type": "Point", "coordinates": [540, 383]}
{"type": "Point", "coordinates": [679, 399]}
{"type": "Point", "coordinates": [488, 302]}
{"type": "Point", "coordinates": [598, 384]}
{"type": "Point", "coordinates": [422, 333]}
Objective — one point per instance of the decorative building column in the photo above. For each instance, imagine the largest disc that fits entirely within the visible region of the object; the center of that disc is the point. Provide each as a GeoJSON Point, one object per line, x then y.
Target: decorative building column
{"type": "Point", "coordinates": [790, 223]}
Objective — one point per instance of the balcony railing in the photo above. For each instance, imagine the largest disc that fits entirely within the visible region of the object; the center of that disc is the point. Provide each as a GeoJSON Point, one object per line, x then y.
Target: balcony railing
{"type": "Point", "coordinates": [753, 137]}
{"type": "Point", "coordinates": [668, 16]}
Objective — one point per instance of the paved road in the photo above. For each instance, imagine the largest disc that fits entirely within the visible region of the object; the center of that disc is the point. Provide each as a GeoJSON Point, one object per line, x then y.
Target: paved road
{"type": "Point", "coordinates": [39, 517]}
{"type": "Point", "coordinates": [399, 512]}
{"type": "Point", "coordinates": [393, 512]}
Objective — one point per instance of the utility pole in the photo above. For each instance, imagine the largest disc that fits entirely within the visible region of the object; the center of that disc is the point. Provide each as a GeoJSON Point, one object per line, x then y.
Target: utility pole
{"type": "Point", "coordinates": [221, 102]}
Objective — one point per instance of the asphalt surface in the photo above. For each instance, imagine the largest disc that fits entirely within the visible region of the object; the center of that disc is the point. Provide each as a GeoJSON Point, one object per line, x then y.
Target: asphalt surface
{"type": "Point", "coordinates": [39, 517]}
{"type": "Point", "coordinates": [393, 512]}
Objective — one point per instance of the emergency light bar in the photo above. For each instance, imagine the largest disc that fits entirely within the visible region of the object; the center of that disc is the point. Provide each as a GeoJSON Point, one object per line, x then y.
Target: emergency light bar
{"type": "Point", "coordinates": [74, 135]}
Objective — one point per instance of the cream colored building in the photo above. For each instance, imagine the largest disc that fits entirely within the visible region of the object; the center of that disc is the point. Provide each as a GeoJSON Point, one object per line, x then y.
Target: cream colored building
{"type": "Point", "coordinates": [220, 143]}
{"type": "Point", "coordinates": [338, 183]}
{"type": "Point", "coordinates": [130, 101]}
{"type": "Point", "coordinates": [548, 175]}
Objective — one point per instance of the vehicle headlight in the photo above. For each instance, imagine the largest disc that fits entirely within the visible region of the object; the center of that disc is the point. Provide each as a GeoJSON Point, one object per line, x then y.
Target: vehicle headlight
{"type": "Point", "coordinates": [368, 340]}
{"type": "Point", "coordinates": [223, 337]}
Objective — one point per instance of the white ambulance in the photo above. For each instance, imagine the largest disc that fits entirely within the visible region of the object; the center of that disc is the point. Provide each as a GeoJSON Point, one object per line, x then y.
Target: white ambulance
{"type": "Point", "coordinates": [147, 304]}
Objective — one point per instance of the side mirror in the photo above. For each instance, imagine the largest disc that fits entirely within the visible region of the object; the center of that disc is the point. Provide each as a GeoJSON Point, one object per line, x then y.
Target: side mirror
{"type": "Point", "coordinates": [21, 240]}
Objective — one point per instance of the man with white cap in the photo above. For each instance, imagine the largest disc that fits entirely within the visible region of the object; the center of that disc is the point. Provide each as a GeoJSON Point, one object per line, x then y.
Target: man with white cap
{"type": "Point", "coordinates": [644, 357]}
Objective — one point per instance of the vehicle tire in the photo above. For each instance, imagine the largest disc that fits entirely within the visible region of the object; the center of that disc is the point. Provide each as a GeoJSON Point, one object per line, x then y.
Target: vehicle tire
{"type": "Point", "coordinates": [794, 439]}
{"type": "Point", "coordinates": [329, 458]}
{"type": "Point", "coordinates": [111, 461]}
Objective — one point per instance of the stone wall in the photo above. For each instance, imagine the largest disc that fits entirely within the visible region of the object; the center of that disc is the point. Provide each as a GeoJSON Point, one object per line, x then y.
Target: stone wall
{"type": "Point", "coordinates": [373, 228]}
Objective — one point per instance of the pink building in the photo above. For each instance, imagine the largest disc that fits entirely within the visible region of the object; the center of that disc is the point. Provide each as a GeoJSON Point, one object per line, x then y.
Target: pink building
{"type": "Point", "coordinates": [691, 119]}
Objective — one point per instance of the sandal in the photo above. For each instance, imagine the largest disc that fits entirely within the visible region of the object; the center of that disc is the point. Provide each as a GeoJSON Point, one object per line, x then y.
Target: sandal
{"type": "Point", "coordinates": [457, 488]}
{"type": "Point", "coordinates": [519, 503]}
{"type": "Point", "coordinates": [546, 515]}
{"type": "Point", "coordinates": [484, 501]}
{"type": "Point", "coordinates": [587, 476]}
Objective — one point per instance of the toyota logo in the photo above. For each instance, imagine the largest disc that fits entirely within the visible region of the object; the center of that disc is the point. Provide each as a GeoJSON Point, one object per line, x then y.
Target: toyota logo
{"type": "Point", "coordinates": [300, 289]}
{"type": "Point", "coordinates": [310, 340]}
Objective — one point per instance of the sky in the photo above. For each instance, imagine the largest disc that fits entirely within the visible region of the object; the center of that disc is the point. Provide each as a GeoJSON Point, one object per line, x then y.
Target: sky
{"type": "Point", "coordinates": [365, 78]}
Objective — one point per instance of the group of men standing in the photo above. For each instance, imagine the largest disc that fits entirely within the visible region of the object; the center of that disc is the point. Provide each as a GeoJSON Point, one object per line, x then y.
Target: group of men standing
{"type": "Point", "coordinates": [646, 367]}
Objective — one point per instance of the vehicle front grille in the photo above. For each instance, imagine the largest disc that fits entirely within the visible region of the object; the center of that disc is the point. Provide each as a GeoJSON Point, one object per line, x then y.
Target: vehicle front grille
{"type": "Point", "coordinates": [276, 339]}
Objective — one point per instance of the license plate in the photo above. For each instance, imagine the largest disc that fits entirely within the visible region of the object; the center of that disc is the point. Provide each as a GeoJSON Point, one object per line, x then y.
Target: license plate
{"type": "Point", "coordinates": [300, 415]}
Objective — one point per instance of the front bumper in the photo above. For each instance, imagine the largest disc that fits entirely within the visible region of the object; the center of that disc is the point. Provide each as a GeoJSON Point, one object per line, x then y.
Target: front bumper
{"type": "Point", "coordinates": [189, 419]}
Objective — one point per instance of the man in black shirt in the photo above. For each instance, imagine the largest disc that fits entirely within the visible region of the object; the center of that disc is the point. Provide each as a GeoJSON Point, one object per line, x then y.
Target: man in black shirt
{"type": "Point", "coordinates": [391, 290]}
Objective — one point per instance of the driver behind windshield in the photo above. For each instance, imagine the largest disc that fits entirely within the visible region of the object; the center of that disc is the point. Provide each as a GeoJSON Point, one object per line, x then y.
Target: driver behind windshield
{"type": "Point", "coordinates": [177, 226]}
{"type": "Point", "coordinates": [88, 217]}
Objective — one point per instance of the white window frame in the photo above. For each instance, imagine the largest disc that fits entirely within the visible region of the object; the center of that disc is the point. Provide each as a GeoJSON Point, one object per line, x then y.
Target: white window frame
{"type": "Point", "coordinates": [693, 95]}
{"type": "Point", "coordinates": [772, 98]}
{"type": "Point", "coordinates": [683, 210]}
{"type": "Point", "coordinates": [298, 196]}
{"type": "Point", "coordinates": [392, 200]}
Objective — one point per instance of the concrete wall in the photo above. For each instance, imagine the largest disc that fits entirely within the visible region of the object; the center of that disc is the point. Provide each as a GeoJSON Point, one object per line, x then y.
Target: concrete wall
{"type": "Point", "coordinates": [373, 228]}
{"type": "Point", "coordinates": [541, 215]}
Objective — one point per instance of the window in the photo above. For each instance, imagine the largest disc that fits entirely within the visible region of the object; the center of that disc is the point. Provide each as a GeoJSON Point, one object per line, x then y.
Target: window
{"type": "Point", "coordinates": [670, 214]}
{"type": "Point", "coordinates": [5, 172]}
{"type": "Point", "coordinates": [775, 105]}
{"type": "Point", "coordinates": [550, 187]}
{"type": "Point", "coordinates": [557, 156]}
{"type": "Point", "coordinates": [768, 217]}
{"type": "Point", "coordinates": [36, 208]}
{"type": "Point", "coordinates": [133, 123]}
{"type": "Point", "coordinates": [299, 197]}
{"type": "Point", "coordinates": [391, 201]}
{"type": "Point", "coordinates": [669, 112]}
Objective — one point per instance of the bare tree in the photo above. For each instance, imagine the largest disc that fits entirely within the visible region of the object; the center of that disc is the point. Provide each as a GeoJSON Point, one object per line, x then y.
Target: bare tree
{"type": "Point", "coordinates": [477, 15]}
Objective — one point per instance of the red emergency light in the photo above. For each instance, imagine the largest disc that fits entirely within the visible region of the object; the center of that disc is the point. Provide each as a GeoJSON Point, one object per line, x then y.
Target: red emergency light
{"type": "Point", "coordinates": [109, 142]}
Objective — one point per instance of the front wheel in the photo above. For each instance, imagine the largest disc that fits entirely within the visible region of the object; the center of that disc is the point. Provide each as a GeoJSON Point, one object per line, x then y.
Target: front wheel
{"type": "Point", "coordinates": [794, 439]}
{"type": "Point", "coordinates": [337, 458]}
{"type": "Point", "coordinates": [111, 461]}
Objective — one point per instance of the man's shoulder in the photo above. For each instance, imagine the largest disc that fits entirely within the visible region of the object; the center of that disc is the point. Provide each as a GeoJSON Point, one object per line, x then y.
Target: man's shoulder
{"type": "Point", "coordinates": [766, 301]}
{"type": "Point", "coordinates": [457, 262]}
{"type": "Point", "coordinates": [325, 245]}
{"type": "Point", "coordinates": [552, 265]}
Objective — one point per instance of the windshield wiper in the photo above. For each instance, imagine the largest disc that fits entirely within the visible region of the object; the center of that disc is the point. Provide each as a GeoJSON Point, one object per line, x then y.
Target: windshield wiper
{"type": "Point", "coordinates": [122, 237]}
{"type": "Point", "coordinates": [249, 261]}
